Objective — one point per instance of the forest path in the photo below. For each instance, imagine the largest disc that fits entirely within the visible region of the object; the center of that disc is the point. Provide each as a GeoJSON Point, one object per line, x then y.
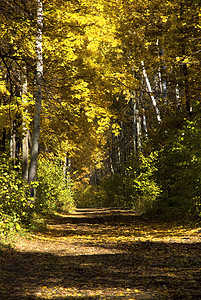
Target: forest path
{"type": "Point", "coordinates": [104, 254]}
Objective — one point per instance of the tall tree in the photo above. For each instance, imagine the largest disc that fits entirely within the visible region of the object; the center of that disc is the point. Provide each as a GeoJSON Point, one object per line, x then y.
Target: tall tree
{"type": "Point", "coordinates": [15, 52]}
{"type": "Point", "coordinates": [38, 95]}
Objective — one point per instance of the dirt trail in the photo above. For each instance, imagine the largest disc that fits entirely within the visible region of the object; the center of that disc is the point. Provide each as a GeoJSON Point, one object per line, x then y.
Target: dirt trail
{"type": "Point", "coordinates": [104, 254]}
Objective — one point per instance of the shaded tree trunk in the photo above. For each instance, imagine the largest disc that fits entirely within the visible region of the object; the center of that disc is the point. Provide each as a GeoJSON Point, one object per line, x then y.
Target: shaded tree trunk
{"type": "Point", "coordinates": [66, 170]}
{"type": "Point", "coordinates": [3, 141]}
{"type": "Point", "coordinates": [134, 126]}
{"type": "Point", "coordinates": [184, 65]}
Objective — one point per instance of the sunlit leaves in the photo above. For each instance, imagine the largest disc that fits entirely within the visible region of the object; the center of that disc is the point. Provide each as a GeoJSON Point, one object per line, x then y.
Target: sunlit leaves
{"type": "Point", "coordinates": [84, 64]}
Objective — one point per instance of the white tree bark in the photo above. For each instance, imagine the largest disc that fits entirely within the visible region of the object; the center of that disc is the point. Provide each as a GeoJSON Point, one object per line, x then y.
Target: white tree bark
{"type": "Point", "coordinates": [38, 97]}
{"type": "Point", "coordinates": [145, 123]}
{"type": "Point", "coordinates": [13, 142]}
{"type": "Point", "coordinates": [139, 131]}
{"type": "Point", "coordinates": [151, 92]}
{"type": "Point", "coordinates": [177, 92]}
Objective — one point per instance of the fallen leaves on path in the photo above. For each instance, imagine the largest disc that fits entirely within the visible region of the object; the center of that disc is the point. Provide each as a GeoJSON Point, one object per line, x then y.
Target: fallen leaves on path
{"type": "Point", "coordinates": [104, 254]}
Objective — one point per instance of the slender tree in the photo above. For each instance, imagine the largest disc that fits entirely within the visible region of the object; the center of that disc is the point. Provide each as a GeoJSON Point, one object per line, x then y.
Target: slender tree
{"type": "Point", "coordinates": [25, 131]}
{"type": "Point", "coordinates": [38, 96]}
{"type": "Point", "coordinates": [151, 92]}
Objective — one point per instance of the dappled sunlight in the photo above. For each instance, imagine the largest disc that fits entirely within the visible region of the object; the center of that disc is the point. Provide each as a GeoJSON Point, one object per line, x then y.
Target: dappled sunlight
{"type": "Point", "coordinates": [103, 259]}
{"type": "Point", "coordinates": [106, 293]}
{"type": "Point", "coordinates": [116, 226]}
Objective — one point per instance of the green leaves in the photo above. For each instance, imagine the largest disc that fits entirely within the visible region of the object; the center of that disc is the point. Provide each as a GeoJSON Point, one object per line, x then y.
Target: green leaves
{"type": "Point", "coordinates": [14, 204]}
{"type": "Point", "coordinates": [179, 172]}
{"type": "Point", "coordinates": [53, 192]}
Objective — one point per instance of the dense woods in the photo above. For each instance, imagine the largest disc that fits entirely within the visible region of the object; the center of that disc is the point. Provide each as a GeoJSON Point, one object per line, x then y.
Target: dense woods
{"type": "Point", "coordinates": [99, 106]}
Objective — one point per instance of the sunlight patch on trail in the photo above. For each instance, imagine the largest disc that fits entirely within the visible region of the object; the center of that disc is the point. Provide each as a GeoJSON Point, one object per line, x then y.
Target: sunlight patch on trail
{"type": "Point", "coordinates": [106, 293]}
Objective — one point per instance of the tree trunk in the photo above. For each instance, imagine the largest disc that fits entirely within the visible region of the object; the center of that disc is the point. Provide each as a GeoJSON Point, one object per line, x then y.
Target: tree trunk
{"type": "Point", "coordinates": [159, 72]}
{"type": "Point", "coordinates": [25, 132]}
{"type": "Point", "coordinates": [186, 91]}
{"type": "Point", "coordinates": [134, 126]}
{"type": "Point", "coordinates": [68, 179]}
{"type": "Point", "coordinates": [38, 96]}
{"type": "Point", "coordinates": [139, 131]}
{"type": "Point", "coordinates": [66, 170]}
{"type": "Point", "coordinates": [184, 65]}
{"type": "Point", "coordinates": [151, 93]}
{"type": "Point", "coordinates": [3, 141]}
{"type": "Point", "coordinates": [144, 121]}
{"type": "Point", "coordinates": [13, 141]}
{"type": "Point", "coordinates": [177, 93]}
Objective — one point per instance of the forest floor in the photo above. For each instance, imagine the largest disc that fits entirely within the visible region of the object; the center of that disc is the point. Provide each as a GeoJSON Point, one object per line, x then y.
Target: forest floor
{"type": "Point", "coordinates": [103, 254]}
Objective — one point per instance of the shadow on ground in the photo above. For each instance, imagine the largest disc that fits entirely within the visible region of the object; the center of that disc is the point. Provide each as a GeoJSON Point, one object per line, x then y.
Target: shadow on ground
{"type": "Point", "coordinates": [100, 216]}
{"type": "Point", "coordinates": [138, 270]}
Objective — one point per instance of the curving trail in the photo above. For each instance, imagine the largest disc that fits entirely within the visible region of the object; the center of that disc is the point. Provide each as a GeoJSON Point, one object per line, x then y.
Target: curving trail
{"type": "Point", "coordinates": [104, 254]}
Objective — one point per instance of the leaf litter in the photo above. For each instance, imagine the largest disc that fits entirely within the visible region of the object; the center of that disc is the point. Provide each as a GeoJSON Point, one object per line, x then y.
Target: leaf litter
{"type": "Point", "coordinates": [103, 254]}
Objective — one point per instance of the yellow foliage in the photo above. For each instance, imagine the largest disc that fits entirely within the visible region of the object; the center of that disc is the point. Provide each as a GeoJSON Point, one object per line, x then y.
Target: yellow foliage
{"type": "Point", "coordinates": [3, 88]}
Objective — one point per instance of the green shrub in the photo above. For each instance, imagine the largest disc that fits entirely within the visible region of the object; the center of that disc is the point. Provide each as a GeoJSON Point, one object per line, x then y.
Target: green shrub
{"type": "Point", "coordinates": [115, 191]}
{"type": "Point", "coordinates": [110, 193]}
{"type": "Point", "coordinates": [137, 189]}
{"type": "Point", "coordinates": [141, 187]}
{"type": "Point", "coordinates": [13, 191]}
{"type": "Point", "coordinates": [90, 196]}
{"type": "Point", "coordinates": [179, 173]}
{"type": "Point", "coordinates": [14, 201]}
{"type": "Point", "coordinates": [53, 191]}
{"type": "Point", "coordinates": [9, 225]}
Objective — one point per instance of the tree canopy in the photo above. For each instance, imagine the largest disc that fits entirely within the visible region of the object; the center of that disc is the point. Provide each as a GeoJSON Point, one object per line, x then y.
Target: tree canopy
{"type": "Point", "coordinates": [120, 100]}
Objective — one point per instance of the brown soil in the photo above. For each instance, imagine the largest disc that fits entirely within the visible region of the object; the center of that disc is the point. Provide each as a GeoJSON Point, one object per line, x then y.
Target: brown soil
{"type": "Point", "coordinates": [104, 254]}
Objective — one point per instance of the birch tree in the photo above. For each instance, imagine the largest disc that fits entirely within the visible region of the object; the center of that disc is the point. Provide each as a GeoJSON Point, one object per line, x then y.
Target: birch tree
{"type": "Point", "coordinates": [38, 95]}
{"type": "Point", "coordinates": [151, 92]}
